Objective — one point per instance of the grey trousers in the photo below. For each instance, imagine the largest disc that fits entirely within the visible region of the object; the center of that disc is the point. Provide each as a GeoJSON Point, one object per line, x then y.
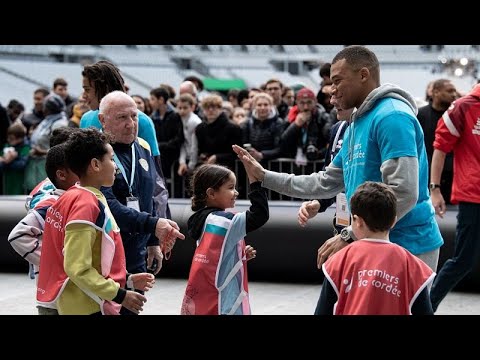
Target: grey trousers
{"type": "Point", "coordinates": [430, 258]}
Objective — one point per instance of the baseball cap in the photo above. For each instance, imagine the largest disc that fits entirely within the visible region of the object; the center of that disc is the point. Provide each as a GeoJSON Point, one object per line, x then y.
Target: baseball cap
{"type": "Point", "coordinates": [306, 93]}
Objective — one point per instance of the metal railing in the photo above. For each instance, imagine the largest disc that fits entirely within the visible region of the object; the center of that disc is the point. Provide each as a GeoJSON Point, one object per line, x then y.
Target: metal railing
{"type": "Point", "coordinates": [178, 185]}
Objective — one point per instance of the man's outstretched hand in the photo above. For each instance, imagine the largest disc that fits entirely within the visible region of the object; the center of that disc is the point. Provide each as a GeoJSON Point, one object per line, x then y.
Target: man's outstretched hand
{"type": "Point", "coordinates": [307, 210]}
{"type": "Point", "coordinates": [167, 231]}
{"type": "Point", "coordinates": [330, 247]}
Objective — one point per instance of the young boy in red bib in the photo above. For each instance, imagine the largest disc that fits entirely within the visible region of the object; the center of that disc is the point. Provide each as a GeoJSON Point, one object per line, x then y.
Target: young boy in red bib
{"type": "Point", "coordinates": [373, 276]}
{"type": "Point", "coordinates": [83, 259]}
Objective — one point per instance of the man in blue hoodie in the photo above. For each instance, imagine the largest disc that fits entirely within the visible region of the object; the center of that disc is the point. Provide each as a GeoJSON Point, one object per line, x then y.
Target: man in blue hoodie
{"type": "Point", "coordinates": [383, 143]}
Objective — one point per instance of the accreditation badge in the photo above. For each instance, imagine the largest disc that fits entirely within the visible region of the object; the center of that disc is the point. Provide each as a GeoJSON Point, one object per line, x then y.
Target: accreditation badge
{"type": "Point", "coordinates": [132, 202]}
{"type": "Point", "coordinates": [343, 214]}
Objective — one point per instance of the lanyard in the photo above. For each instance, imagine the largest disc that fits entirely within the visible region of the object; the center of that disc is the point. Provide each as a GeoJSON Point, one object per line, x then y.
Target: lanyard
{"type": "Point", "coordinates": [304, 135]}
{"type": "Point", "coordinates": [351, 141]}
{"type": "Point", "coordinates": [335, 141]}
{"type": "Point", "coordinates": [122, 169]}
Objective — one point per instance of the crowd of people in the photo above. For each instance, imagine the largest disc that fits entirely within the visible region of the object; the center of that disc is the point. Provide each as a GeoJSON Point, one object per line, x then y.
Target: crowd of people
{"type": "Point", "coordinates": [99, 225]}
{"type": "Point", "coordinates": [271, 119]}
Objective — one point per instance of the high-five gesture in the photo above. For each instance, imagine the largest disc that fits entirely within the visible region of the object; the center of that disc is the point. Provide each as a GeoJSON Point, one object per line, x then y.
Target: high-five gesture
{"type": "Point", "coordinates": [254, 170]}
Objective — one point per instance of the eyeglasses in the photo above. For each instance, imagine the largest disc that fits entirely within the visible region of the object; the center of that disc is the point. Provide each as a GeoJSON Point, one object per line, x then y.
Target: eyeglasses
{"type": "Point", "coordinates": [273, 89]}
{"type": "Point", "coordinates": [211, 107]}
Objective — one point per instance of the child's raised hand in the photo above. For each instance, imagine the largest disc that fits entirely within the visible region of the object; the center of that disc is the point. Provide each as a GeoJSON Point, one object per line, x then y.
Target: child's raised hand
{"type": "Point", "coordinates": [250, 252]}
{"type": "Point", "coordinates": [255, 171]}
{"type": "Point", "coordinates": [142, 281]}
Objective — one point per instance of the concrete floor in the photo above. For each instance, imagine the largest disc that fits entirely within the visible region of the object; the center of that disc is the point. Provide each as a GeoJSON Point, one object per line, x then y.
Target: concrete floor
{"type": "Point", "coordinates": [17, 297]}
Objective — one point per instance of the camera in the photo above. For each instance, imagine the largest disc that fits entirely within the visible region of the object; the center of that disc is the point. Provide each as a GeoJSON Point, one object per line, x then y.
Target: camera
{"type": "Point", "coordinates": [312, 153]}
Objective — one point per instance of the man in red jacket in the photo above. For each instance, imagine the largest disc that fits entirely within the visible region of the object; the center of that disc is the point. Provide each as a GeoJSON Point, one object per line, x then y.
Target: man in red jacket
{"type": "Point", "coordinates": [458, 130]}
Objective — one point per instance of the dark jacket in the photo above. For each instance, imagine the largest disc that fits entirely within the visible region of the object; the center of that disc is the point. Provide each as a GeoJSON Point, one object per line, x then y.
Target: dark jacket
{"type": "Point", "coordinates": [283, 109]}
{"type": "Point", "coordinates": [264, 136]}
{"type": "Point", "coordinates": [428, 118]}
{"type": "Point", "coordinates": [217, 139]}
{"type": "Point", "coordinates": [32, 119]}
{"type": "Point", "coordinates": [315, 133]}
{"type": "Point", "coordinates": [170, 137]}
{"type": "Point", "coordinates": [137, 228]}
{"type": "Point", "coordinates": [332, 151]}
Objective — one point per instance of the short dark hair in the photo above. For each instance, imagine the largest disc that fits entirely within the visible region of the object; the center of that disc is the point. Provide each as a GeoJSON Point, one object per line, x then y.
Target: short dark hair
{"type": "Point", "coordinates": [440, 84]}
{"type": "Point", "coordinates": [160, 92]}
{"type": "Point", "coordinates": [357, 57]}
{"type": "Point", "coordinates": [287, 89]}
{"type": "Point", "coordinates": [59, 82]}
{"type": "Point", "coordinates": [43, 91]}
{"type": "Point", "coordinates": [171, 91]}
{"type": "Point", "coordinates": [233, 93]}
{"type": "Point", "coordinates": [242, 95]}
{"type": "Point", "coordinates": [14, 104]}
{"type": "Point", "coordinates": [55, 161]}
{"type": "Point", "coordinates": [87, 144]}
{"type": "Point", "coordinates": [105, 77]}
{"type": "Point", "coordinates": [207, 176]}
{"type": "Point", "coordinates": [376, 204]}
{"type": "Point", "coordinates": [60, 135]}
{"type": "Point", "coordinates": [196, 80]}
{"type": "Point", "coordinates": [325, 70]}
{"type": "Point", "coordinates": [273, 80]}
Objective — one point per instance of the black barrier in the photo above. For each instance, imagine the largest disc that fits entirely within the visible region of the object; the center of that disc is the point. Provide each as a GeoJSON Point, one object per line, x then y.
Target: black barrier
{"type": "Point", "coordinates": [285, 251]}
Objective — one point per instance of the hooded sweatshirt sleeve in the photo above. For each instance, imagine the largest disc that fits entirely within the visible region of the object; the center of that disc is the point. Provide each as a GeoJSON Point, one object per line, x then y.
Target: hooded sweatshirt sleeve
{"type": "Point", "coordinates": [319, 185]}
{"type": "Point", "coordinates": [399, 158]}
{"type": "Point", "coordinates": [401, 175]}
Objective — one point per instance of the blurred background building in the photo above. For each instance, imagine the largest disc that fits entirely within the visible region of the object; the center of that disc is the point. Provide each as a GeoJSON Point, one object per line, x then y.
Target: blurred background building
{"type": "Point", "coordinates": [23, 68]}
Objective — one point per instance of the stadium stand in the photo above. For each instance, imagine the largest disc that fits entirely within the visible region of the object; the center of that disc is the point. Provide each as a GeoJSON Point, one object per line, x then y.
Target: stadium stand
{"type": "Point", "coordinates": [146, 66]}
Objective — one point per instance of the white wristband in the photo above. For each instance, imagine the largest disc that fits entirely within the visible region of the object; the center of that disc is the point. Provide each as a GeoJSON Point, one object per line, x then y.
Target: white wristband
{"type": "Point", "coordinates": [130, 283]}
